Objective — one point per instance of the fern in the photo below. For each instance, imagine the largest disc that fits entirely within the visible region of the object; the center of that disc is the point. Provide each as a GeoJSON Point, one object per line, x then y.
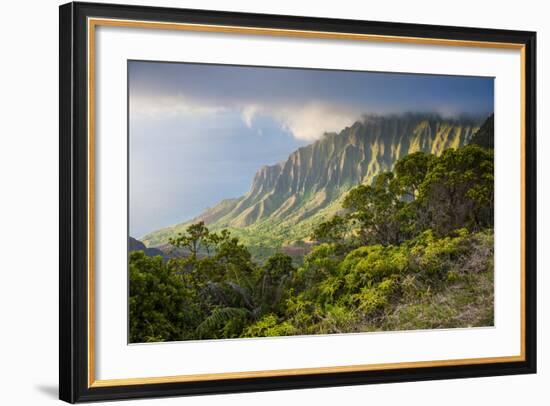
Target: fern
{"type": "Point", "coordinates": [242, 292]}
{"type": "Point", "coordinates": [218, 318]}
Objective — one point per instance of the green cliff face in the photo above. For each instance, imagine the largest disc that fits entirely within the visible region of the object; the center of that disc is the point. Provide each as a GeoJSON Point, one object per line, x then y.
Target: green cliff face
{"type": "Point", "coordinates": [287, 200]}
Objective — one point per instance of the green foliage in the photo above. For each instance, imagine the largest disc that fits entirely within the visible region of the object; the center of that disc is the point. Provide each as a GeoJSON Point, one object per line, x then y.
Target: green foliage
{"type": "Point", "coordinates": [374, 287]}
{"type": "Point", "coordinates": [444, 193]}
{"type": "Point", "coordinates": [161, 306]}
{"type": "Point", "coordinates": [334, 230]}
{"type": "Point", "coordinates": [410, 172]}
{"type": "Point", "coordinates": [216, 290]}
{"type": "Point", "coordinates": [224, 322]}
{"type": "Point", "coordinates": [371, 264]}
{"type": "Point", "coordinates": [377, 211]}
{"type": "Point", "coordinates": [414, 249]}
{"type": "Point", "coordinates": [269, 326]}
{"type": "Point", "coordinates": [458, 191]}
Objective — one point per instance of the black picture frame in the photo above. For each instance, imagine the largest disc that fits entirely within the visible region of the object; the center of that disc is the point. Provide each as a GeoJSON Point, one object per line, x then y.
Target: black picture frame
{"type": "Point", "coordinates": [73, 255]}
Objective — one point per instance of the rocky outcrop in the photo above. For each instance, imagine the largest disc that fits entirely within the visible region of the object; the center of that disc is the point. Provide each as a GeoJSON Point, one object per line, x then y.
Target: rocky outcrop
{"type": "Point", "coordinates": [317, 175]}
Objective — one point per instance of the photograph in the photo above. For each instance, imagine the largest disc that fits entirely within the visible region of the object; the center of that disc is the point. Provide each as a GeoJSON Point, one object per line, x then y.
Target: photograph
{"type": "Point", "coordinates": [272, 199]}
{"type": "Point", "coordinates": [274, 203]}
{"type": "Point", "coordinates": [287, 201]}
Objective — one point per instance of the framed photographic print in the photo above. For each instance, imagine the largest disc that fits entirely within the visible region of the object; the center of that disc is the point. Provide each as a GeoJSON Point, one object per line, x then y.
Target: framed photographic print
{"type": "Point", "coordinates": [257, 202]}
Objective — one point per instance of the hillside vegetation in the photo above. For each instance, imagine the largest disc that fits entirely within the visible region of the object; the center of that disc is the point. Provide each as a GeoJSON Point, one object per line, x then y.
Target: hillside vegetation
{"type": "Point", "coordinates": [287, 200]}
{"type": "Point", "coordinates": [412, 249]}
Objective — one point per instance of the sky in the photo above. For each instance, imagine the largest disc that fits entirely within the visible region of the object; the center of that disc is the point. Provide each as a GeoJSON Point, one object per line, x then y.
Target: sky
{"type": "Point", "coordinates": [199, 132]}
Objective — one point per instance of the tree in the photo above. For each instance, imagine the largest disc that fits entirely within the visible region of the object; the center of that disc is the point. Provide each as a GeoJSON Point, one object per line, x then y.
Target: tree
{"type": "Point", "coordinates": [376, 209]}
{"type": "Point", "coordinates": [336, 230]}
{"type": "Point", "coordinates": [233, 257]}
{"type": "Point", "coordinates": [161, 307]}
{"type": "Point", "coordinates": [443, 193]}
{"type": "Point", "coordinates": [410, 172]}
{"type": "Point", "coordinates": [275, 276]}
{"type": "Point", "coordinates": [196, 237]}
{"type": "Point", "coordinates": [458, 190]}
{"type": "Point", "coordinates": [220, 269]}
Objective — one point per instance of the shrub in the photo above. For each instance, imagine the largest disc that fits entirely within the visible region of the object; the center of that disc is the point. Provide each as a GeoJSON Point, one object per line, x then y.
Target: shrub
{"type": "Point", "coordinates": [269, 326]}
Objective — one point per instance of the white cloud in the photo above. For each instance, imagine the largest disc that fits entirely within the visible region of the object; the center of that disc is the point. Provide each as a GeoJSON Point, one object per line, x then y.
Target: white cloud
{"type": "Point", "coordinates": [248, 114]}
{"type": "Point", "coordinates": [310, 121]}
{"type": "Point", "coordinates": [307, 121]}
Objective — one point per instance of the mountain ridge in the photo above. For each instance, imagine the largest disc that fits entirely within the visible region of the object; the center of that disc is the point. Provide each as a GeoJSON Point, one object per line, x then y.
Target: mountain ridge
{"type": "Point", "coordinates": [287, 199]}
